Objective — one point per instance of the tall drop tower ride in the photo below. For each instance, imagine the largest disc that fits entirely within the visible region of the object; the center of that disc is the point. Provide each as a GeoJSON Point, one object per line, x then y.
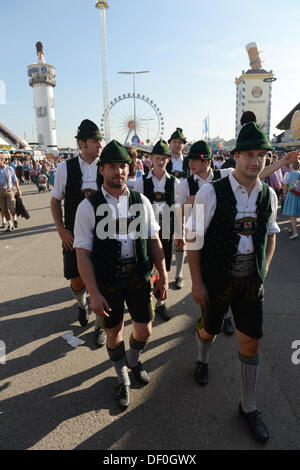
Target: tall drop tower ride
{"type": "Point", "coordinates": [102, 6]}
{"type": "Point", "coordinates": [43, 80]}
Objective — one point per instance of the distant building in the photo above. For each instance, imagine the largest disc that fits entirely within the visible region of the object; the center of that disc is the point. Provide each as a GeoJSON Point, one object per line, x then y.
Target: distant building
{"type": "Point", "coordinates": [286, 139]}
{"type": "Point", "coordinates": [9, 141]}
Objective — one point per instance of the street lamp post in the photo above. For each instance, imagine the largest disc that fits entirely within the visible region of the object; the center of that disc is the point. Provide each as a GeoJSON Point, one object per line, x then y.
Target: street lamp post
{"type": "Point", "coordinates": [147, 120]}
{"type": "Point", "coordinates": [134, 103]}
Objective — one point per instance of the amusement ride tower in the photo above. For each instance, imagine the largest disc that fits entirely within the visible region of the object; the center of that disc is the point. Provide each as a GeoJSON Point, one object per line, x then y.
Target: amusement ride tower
{"type": "Point", "coordinates": [42, 80]}
{"type": "Point", "coordinates": [102, 6]}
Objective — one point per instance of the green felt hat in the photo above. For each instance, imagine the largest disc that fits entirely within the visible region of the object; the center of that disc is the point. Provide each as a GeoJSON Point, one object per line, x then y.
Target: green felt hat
{"type": "Point", "coordinates": [161, 148]}
{"type": "Point", "coordinates": [88, 130]}
{"type": "Point", "coordinates": [178, 134]}
{"type": "Point", "coordinates": [252, 137]}
{"type": "Point", "coordinates": [200, 151]}
{"type": "Point", "coordinates": [114, 152]}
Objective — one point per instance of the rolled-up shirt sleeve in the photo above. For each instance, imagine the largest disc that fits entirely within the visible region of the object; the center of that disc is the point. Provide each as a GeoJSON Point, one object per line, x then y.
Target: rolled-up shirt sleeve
{"type": "Point", "coordinates": [203, 210]}
{"type": "Point", "coordinates": [152, 224]}
{"type": "Point", "coordinates": [84, 226]}
{"type": "Point", "coordinates": [182, 192]}
{"type": "Point", "coordinates": [273, 226]}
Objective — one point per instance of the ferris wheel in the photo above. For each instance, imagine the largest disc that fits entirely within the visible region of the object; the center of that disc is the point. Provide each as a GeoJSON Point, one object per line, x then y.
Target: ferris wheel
{"type": "Point", "coordinates": [133, 119]}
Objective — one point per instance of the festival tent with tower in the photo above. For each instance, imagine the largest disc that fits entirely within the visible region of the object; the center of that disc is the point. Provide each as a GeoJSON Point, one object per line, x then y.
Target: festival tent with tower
{"type": "Point", "coordinates": [10, 144]}
{"type": "Point", "coordinates": [254, 91]}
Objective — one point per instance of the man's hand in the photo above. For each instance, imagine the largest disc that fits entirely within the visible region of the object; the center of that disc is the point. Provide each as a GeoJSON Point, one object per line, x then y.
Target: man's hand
{"type": "Point", "coordinates": [161, 286]}
{"type": "Point", "coordinates": [180, 243]}
{"type": "Point", "coordinates": [99, 305]}
{"type": "Point", "coordinates": [200, 295]}
{"type": "Point", "coordinates": [290, 157]}
{"type": "Point", "coordinates": [67, 238]}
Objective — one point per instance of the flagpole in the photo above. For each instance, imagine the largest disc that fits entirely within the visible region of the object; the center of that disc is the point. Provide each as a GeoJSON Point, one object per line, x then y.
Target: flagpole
{"type": "Point", "coordinates": [207, 127]}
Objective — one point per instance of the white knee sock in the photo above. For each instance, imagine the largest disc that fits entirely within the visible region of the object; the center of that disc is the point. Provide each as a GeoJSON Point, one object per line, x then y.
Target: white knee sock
{"type": "Point", "coordinates": [203, 348]}
{"type": "Point", "coordinates": [80, 296]}
{"type": "Point", "coordinates": [179, 256]}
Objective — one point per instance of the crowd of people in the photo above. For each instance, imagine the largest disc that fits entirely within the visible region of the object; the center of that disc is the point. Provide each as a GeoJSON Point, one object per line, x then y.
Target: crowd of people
{"type": "Point", "coordinates": [229, 253]}
{"type": "Point", "coordinates": [21, 171]}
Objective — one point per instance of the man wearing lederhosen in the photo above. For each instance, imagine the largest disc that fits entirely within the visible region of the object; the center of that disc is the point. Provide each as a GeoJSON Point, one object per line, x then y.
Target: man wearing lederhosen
{"type": "Point", "coordinates": [160, 188]}
{"type": "Point", "coordinates": [76, 179]}
{"type": "Point", "coordinates": [229, 269]}
{"type": "Point", "coordinates": [200, 157]}
{"type": "Point", "coordinates": [178, 166]}
{"type": "Point", "coordinates": [116, 240]}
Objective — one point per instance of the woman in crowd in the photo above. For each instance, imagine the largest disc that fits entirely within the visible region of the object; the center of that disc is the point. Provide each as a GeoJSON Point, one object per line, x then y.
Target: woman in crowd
{"type": "Point", "coordinates": [292, 201]}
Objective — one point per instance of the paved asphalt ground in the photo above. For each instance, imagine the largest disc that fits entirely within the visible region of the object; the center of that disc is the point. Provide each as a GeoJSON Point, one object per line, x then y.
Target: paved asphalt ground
{"type": "Point", "coordinates": [56, 397]}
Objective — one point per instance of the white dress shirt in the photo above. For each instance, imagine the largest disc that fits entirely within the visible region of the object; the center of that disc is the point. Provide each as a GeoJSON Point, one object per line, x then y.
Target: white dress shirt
{"type": "Point", "coordinates": [89, 177]}
{"type": "Point", "coordinates": [85, 222]}
{"type": "Point", "coordinates": [158, 187]}
{"type": "Point", "coordinates": [183, 191]}
{"type": "Point", "coordinates": [246, 207]}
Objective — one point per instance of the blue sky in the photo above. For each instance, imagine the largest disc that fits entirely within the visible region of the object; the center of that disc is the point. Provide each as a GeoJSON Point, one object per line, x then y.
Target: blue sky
{"type": "Point", "coordinates": [194, 50]}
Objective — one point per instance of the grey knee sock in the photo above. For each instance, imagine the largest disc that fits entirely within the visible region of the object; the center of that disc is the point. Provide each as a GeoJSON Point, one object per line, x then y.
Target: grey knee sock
{"type": "Point", "coordinates": [80, 296]}
{"type": "Point", "coordinates": [117, 357]}
{"type": "Point", "coordinates": [203, 348]}
{"type": "Point", "coordinates": [133, 355]}
{"type": "Point", "coordinates": [248, 371]}
{"type": "Point", "coordinates": [179, 256]}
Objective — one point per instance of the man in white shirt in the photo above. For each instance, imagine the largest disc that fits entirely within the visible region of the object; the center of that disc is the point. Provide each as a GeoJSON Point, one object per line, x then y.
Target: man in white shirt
{"type": "Point", "coordinates": [200, 157]}
{"type": "Point", "coordinates": [161, 189]}
{"type": "Point", "coordinates": [239, 241]}
{"type": "Point", "coordinates": [114, 255]}
{"type": "Point", "coordinates": [178, 166]}
{"type": "Point", "coordinates": [74, 180]}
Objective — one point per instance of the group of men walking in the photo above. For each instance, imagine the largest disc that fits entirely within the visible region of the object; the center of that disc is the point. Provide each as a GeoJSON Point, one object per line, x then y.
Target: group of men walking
{"type": "Point", "coordinates": [112, 236]}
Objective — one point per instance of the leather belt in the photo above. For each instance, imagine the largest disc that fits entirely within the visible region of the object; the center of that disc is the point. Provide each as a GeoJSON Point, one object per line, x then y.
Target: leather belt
{"type": "Point", "coordinates": [244, 265]}
{"type": "Point", "coordinates": [126, 267]}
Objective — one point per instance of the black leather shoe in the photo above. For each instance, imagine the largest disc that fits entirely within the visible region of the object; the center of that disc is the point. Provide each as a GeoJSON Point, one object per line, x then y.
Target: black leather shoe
{"type": "Point", "coordinates": [201, 373]}
{"type": "Point", "coordinates": [256, 424]}
{"type": "Point", "coordinates": [15, 223]}
{"type": "Point", "coordinates": [163, 312]}
{"type": "Point", "coordinates": [228, 327]}
{"type": "Point", "coordinates": [140, 373]}
{"type": "Point", "coordinates": [100, 337]}
{"type": "Point", "coordinates": [83, 315]}
{"type": "Point", "coordinates": [123, 395]}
